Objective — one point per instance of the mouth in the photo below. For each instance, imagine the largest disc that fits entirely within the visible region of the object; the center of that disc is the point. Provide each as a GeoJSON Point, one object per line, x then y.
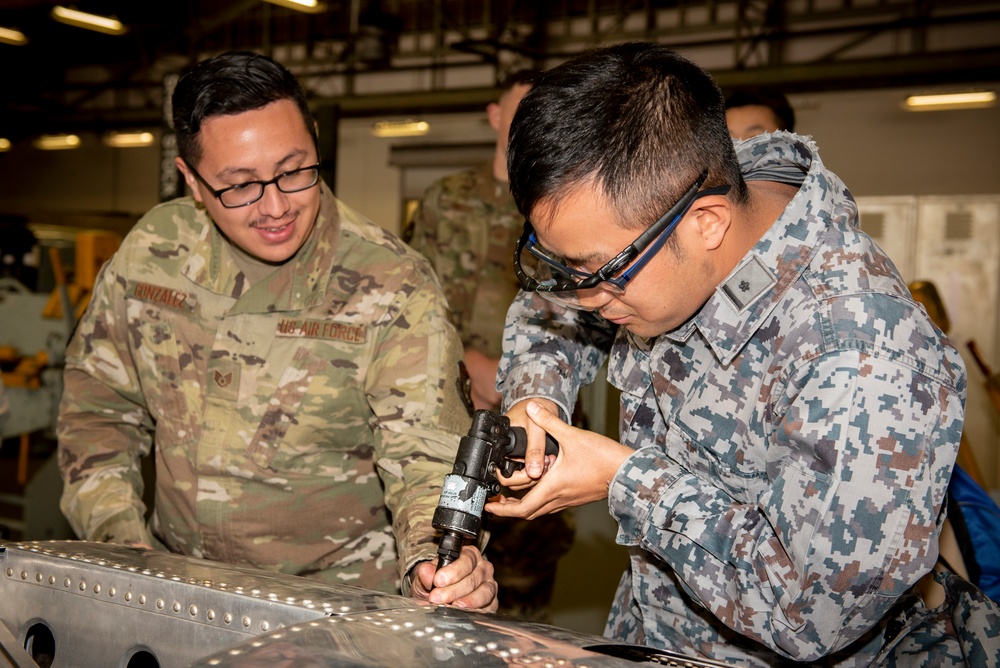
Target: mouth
{"type": "Point", "coordinates": [275, 231]}
{"type": "Point", "coordinates": [271, 227]}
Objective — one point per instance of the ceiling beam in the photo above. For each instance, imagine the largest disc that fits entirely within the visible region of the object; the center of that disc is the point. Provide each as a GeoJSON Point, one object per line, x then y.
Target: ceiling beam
{"type": "Point", "coordinates": [956, 67]}
{"type": "Point", "coordinates": [953, 68]}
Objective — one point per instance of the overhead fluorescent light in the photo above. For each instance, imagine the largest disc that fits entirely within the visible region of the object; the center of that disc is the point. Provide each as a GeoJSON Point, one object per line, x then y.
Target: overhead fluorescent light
{"type": "Point", "coordinates": [4, 144]}
{"type": "Point", "coordinates": [128, 139]}
{"type": "Point", "coordinates": [400, 128]}
{"type": "Point", "coordinates": [937, 102]}
{"type": "Point", "coordinates": [12, 37]}
{"type": "Point", "coordinates": [73, 17]}
{"type": "Point", "coordinates": [308, 6]}
{"type": "Point", "coordinates": [57, 142]}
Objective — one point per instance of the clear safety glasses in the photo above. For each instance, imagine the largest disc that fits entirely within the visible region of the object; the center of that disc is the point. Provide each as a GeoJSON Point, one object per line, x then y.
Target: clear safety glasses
{"type": "Point", "coordinates": [552, 277]}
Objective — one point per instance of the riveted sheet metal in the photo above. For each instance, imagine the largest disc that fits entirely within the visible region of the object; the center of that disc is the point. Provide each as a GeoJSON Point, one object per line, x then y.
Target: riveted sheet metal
{"type": "Point", "coordinates": [101, 601]}
{"type": "Point", "coordinates": [437, 636]}
{"type": "Point", "coordinates": [104, 605]}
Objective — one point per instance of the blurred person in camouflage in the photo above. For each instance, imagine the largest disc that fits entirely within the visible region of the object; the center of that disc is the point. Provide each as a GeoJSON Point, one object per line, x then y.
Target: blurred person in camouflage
{"type": "Point", "coordinates": [4, 406]}
{"type": "Point", "coordinates": [755, 110]}
{"type": "Point", "coordinates": [790, 416]}
{"type": "Point", "coordinates": [288, 363]}
{"type": "Point", "coordinates": [467, 225]}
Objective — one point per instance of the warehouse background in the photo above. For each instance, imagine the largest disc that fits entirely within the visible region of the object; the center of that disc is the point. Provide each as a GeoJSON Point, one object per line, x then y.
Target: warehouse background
{"type": "Point", "coordinates": [928, 182]}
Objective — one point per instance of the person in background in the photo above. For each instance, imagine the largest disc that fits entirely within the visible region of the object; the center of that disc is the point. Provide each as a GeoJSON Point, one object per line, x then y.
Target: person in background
{"type": "Point", "coordinates": [789, 415]}
{"type": "Point", "coordinates": [467, 225]}
{"type": "Point", "coordinates": [289, 364]}
{"type": "Point", "coordinates": [4, 406]}
{"type": "Point", "coordinates": [754, 111]}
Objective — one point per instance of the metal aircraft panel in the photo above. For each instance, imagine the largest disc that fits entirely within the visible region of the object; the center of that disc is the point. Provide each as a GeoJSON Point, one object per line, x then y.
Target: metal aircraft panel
{"type": "Point", "coordinates": [77, 603]}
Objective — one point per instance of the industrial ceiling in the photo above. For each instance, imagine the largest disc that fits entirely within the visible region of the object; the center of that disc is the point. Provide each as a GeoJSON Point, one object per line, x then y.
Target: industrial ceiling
{"type": "Point", "coordinates": [69, 79]}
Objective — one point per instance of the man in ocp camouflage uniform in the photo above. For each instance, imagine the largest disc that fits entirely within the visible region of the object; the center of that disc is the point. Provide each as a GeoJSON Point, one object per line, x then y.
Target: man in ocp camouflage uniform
{"type": "Point", "coordinates": [467, 225]}
{"type": "Point", "coordinates": [288, 362]}
{"type": "Point", "coordinates": [4, 405]}
{"type": "Point", "coordinates": [790, 416]}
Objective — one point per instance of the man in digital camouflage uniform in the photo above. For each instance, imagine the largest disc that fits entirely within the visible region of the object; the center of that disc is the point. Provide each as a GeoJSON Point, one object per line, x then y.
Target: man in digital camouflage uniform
{"type": "Point", "coordinates": [289, 363]}
{"type": "Point", "coordinates": [790, 416]}
{"type": "Point", "coordinates": [467, 225]}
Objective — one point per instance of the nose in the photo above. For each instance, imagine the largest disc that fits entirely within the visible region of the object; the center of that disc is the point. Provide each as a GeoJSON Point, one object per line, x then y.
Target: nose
{"type": "Point", "coordinates": [273, 203]}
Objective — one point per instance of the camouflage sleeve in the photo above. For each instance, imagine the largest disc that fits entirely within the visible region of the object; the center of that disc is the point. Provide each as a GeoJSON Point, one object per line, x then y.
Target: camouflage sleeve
{"type": "Point", "coordinates": [550, 352]}
{"type": "Point", "coordinates": [103, 427]}
{"type": "Point", "coordinates": [419, 416]}
{"type": "Point", "coordinates": [859, 454]}
{"type": "Point", "coordinates": [4, 402]}
{"type": "Point", "coordinates": [424, 231]}
{"type": "Point", "coordinates": [443, 238]}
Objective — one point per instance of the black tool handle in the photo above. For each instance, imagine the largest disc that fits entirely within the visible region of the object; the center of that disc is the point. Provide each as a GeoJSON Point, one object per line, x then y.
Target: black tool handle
{"type": "Point", "coordinates": [518, 447]}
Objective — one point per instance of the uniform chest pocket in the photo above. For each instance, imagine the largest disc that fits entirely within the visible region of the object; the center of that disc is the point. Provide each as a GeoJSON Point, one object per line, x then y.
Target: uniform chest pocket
{"type": "Point", "coordinates": [315, 419]}
{"type": "Point", "coordinates": [732, 463]}
{"type": "Point", "coordinates": [166, 377]}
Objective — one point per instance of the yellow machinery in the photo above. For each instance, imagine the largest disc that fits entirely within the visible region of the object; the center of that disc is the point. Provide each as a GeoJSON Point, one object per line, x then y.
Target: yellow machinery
{"type": "Point", "coordinates": [34, 331]}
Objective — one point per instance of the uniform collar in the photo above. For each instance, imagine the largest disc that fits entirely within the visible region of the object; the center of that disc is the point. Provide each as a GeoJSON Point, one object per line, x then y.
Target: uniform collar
{"type": "Point", "coordinates": [743, 301]}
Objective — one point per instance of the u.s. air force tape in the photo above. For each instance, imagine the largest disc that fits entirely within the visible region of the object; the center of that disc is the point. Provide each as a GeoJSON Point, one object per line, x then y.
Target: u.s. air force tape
{"type": "Point", "coordinates": [322, 329]}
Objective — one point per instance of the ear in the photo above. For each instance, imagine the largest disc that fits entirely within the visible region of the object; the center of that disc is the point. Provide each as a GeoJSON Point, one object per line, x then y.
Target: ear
{"type": "Point", "coordinates": [713, 215]}
{"type": "Point", "coordinates": [189, 178]}
{"type": "Point", "coordinates": [493, 115]}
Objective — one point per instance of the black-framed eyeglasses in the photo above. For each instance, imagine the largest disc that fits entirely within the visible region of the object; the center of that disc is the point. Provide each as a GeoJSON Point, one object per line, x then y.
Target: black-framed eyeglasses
{"type": "Point", "coordinates": [245, 194]}
{"type": "Point", "coordinates": [554, 279]}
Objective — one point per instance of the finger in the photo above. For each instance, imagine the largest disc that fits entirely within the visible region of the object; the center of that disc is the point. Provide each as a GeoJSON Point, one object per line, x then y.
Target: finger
{"type": "Point", "coordinates": [534, 456]}
{"type": "Point", "coordinates": [422, 580]}
{"type": "Point", "coordinates": [547, 421]}
{"type": "Point", "coordinates": [521, 487]}
{"type": "Point", "coordinates": [484, 598]}
{"type": "Point", "coordinates": [446, 580]}
{"type": "Point", "coordinates": [500, 499]}
{"type": "Point", "coordinates": [483, 594]}
{"type": "Point", "coordinates": [502, 507]}
{"type": "Point", "coordinates": [527, 508]}
{"type": "Point", "coordinates": [466, 583]}
{"type": "Point", "coordinates": [517, 479]}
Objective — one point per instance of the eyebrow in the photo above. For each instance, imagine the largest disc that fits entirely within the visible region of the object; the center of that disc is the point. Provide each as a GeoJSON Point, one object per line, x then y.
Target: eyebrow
{"type": "Point", "coordinates": [596, 257]}
{"type": "Point", "coordinates": [236, 171]}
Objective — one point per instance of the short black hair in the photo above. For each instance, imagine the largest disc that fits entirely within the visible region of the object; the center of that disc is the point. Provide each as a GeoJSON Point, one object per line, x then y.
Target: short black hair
{"type": "Point", "coordinates": [638, 119]}
{"type": "Point", "coordinates": [763, 96]}
{"type": "Point", "coordinates": [226, 84]}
